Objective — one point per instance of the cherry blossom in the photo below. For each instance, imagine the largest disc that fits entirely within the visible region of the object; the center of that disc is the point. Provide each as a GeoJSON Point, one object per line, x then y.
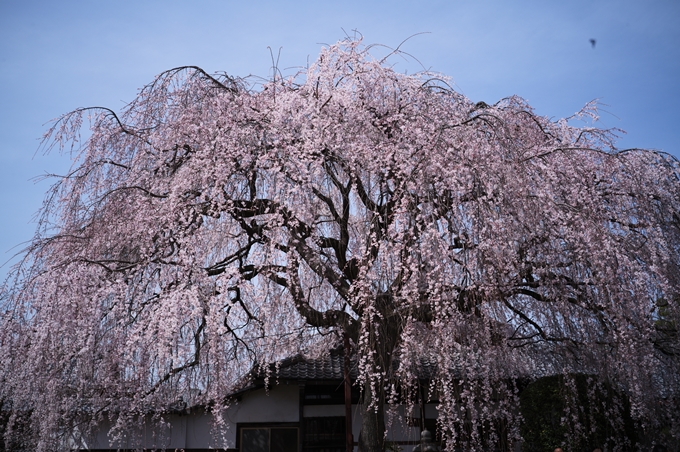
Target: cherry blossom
{"type": "Point", "coordinates": [215, 224]}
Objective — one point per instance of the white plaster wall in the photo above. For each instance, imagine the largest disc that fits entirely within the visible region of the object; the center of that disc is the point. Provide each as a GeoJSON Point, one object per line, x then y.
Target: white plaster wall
{"type": "Point", "coordinates": [431, 411]}
{"type": "Point", "coordinates": [172, 436]}
{"type": "Point", "coordinates": [399, 430]}
{"type": "Point", "coordinates": [280, 405]}
{"type": "Point", "coordinates": [199, 432]}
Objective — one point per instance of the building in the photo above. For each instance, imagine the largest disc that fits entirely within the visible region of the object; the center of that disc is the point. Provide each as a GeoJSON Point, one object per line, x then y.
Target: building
{"type": "Point", "coordinates": [302, 409]}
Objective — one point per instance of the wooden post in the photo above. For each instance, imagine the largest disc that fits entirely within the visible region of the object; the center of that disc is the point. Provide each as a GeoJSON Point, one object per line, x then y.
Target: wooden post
{"type": "Point", "coordinates": [349, 438]}
{"type": "Point", "coordinates": [301, 415]}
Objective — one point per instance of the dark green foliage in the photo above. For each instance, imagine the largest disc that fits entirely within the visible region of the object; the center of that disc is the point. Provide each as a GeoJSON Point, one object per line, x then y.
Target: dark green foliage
{"type": "Point", "coordinates": [542, 407]}
{"type": "Point", "coordinates": [576, 413]}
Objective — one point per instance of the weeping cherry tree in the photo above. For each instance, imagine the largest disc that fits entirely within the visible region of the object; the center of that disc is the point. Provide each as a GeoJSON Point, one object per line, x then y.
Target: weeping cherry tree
{"type": "Point", "coordinates": [215, 224]}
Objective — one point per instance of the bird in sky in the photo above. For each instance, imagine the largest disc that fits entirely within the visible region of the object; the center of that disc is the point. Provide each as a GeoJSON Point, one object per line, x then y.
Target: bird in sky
{"type": "Point", "coordinates": [592, 43]}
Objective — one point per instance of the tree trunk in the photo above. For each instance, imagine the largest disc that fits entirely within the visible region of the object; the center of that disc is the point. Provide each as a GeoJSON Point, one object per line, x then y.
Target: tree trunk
{"type": "Point", "coordinates": [383, 334]}
{"type": "Point", "coordinates": [372, 436]}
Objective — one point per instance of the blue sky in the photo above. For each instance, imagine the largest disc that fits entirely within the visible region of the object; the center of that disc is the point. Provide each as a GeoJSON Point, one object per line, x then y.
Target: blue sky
{"type": "Point", "coordinates": [57, 56]}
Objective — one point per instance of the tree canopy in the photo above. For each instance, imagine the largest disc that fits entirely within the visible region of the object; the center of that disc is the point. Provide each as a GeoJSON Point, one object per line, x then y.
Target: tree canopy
{"type": "Point", "coordinates": [216, 223]}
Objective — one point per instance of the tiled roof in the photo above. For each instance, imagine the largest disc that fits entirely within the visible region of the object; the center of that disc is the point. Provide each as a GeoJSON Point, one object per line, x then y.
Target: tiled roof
{"type": "Point", "coordinates": [330, 367]}
{"type": "Point", "coordinates": [324, 369]}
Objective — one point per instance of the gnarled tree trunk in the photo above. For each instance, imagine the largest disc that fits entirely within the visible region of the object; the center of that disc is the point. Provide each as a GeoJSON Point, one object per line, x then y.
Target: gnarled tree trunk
{"type": "Point", "coordinates": [372, 436]}
{"type": "Point", "coordinates": [382, 335]}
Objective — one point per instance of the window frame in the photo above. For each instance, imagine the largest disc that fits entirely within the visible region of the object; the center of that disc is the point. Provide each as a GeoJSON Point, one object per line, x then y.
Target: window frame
{"type": "Point", "coordinates": [266, 425]}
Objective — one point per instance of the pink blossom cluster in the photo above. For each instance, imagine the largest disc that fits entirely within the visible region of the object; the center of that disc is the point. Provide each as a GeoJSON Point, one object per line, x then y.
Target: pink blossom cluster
{"type": "Point", "coordinates": [215, 224]}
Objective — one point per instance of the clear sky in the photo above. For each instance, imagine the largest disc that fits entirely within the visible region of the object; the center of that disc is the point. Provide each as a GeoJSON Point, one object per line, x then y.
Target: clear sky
{"type": "Point", "coordinates": [59, 55]}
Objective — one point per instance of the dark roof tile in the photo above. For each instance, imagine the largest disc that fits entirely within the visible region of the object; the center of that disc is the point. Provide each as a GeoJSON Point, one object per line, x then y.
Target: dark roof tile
{"type": "Point", "coordinates": [330, 367]}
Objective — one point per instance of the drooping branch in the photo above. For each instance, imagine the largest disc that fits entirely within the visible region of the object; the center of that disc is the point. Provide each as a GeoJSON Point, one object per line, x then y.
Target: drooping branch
{"type": "Point", "coordinates": [214, 224]}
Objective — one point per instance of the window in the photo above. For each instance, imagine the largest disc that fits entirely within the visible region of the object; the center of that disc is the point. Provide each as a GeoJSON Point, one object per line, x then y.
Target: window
{"type": "Point", "coordinates": [269, 439]}
{"type": "Point", "coordinates": [324, 434]}
{"type": "Point", "coordinates": [328, 394]}
{"type": "Point", "coordinates": [324, 395]}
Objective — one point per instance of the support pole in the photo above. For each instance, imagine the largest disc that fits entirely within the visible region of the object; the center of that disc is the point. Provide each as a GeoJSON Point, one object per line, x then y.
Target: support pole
{"type": "Point", "coordinates": [349, 438]}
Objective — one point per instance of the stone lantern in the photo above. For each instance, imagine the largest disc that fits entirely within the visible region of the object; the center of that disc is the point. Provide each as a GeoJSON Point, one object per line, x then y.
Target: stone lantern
{"type": "Point", "coordinates": [426, 443]}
